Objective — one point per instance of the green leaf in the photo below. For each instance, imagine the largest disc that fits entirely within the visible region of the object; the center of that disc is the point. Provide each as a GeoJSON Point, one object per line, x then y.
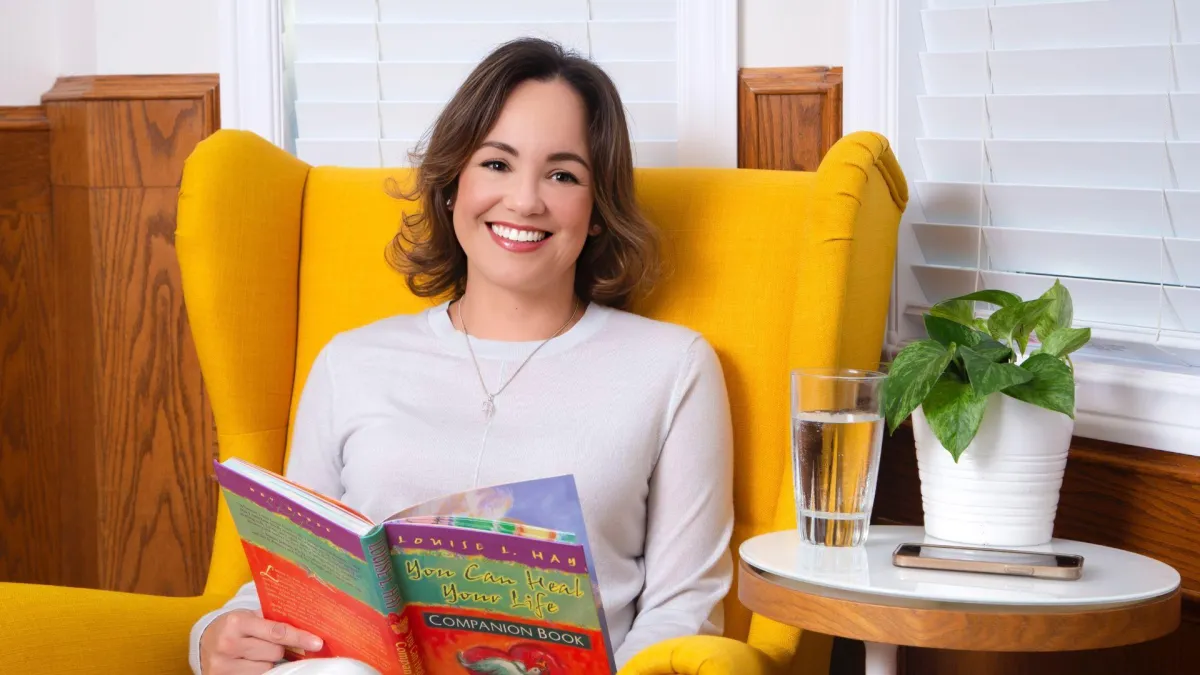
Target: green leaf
{"type": "Point", "coordinates": [992, 297]}
{"type": "Point", "coordinates": [987, 377]}
{"type": "Point", "coordinates": [958, 311]}
{"type": "Point", "coordinates": [1052, 386]}
{"type": "Point", "coordinates": [962, 309]}
{"type": "Point", "coordinates": [1059, 314]}
{"type": "Point", "coordinates": [1017, 321]}
{"type": "Point", "coordinates": [1063, 341]}
{"type": "Point", "coordinates": [993, 351]}
{"type": "Point", "coordinates": [954, 413]}
{"type": "Point", "coordinates": [913, 373]}
{"type": "Point", "coordinates": [946, 332]}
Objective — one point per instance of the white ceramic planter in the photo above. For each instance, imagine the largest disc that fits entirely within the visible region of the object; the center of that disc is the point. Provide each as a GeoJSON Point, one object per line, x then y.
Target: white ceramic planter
{"type": "Point", "coordinates": [1004, 489]}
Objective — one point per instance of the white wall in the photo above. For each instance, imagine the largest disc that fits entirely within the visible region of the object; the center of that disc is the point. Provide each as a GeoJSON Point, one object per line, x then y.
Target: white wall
{"type": "Point", "coordinates": [28, 50]}
{"type": "Point", "coordinates": [43, 39]}
{"type": "Point", "coordinates": [145, 37]}
{"type": "Point", "coordinates": [792, 32]}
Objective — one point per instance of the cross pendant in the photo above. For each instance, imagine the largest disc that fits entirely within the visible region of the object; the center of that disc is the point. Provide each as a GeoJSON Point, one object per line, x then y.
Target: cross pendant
{"type": "Point", "coordinates": [489, 407]}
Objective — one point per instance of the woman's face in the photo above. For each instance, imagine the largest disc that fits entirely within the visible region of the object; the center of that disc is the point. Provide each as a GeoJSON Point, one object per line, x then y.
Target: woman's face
{"type": "Point", "coordinates": [524, 200]}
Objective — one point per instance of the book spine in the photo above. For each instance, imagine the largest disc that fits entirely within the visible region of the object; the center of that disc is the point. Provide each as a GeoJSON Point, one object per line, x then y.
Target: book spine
{"type": "Point", "coordinates": [378, 552]}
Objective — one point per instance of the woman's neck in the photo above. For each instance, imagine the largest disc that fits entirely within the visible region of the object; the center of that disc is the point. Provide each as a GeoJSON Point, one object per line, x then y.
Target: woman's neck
{"type": "Point", "coordinates": [492, 313]}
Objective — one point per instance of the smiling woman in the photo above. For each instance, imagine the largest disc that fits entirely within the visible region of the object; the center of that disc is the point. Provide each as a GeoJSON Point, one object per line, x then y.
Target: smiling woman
{"type": "Point", "coordinates": [536, 143]}
{"type": "Point", "coordinates": [525, 222]}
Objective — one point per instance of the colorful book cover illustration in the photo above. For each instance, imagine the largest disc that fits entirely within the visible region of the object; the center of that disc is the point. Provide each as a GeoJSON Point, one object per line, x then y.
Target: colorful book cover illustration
{"type": "Point", "coordinates": [495, 581]}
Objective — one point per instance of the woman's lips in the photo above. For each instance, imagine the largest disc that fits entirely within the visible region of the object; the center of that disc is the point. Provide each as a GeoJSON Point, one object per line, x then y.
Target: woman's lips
{"type": "Point", "coordinates": [510, 244]}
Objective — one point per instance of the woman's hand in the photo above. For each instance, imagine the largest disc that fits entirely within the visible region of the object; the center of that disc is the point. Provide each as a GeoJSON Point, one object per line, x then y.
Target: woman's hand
{"type": "Point", "coordinates": [241, 642]}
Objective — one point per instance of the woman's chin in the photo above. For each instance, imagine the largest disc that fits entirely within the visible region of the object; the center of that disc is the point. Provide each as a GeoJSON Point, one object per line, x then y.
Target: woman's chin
{"type": "Point", "coordinates": [519, 282]}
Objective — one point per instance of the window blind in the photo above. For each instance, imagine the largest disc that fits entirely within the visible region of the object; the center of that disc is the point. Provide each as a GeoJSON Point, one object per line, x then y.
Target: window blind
{"type": "Point", "coordinates": [370, 76]}
{"type": "Point", "coordinates": [1052, 139]}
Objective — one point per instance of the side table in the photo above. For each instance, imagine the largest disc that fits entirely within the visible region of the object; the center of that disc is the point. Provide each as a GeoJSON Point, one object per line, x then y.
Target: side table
{"type": "Point", "coordinates": [1122, 598]}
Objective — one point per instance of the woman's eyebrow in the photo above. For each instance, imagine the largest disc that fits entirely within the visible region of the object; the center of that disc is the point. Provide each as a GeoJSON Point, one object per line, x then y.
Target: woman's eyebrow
{"type": "Point", "coordinates": [501, 146]}
{"type": "Point", "coordinates": [563, 156]}
{"type": "Point", "coordinates": [569, 157]}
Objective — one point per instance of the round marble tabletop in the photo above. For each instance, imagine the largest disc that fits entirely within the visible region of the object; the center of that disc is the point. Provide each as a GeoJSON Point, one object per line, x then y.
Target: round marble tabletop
{"type": "Point", "coordinates": [1121, 597]}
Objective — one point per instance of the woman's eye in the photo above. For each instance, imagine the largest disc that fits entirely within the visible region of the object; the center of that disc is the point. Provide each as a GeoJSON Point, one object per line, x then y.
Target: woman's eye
{"type": "Point", "coordinates": [564, 177]}
{"type": "Point", "coordinates": [494, 165]}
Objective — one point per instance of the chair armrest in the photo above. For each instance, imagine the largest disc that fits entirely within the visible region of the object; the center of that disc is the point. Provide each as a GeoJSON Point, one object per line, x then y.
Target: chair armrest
{"type": "Point", "coordinates": [55, 629]}
{"type": "Point", "coordinates": [700, 655]}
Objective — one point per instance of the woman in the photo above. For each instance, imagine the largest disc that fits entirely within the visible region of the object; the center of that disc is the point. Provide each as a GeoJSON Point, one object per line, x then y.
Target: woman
{"type": "Point", "coordinates": [531, 369]}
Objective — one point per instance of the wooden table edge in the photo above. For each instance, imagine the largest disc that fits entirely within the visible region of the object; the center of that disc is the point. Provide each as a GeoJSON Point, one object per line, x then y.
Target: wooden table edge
{"type": "Point", "coordinates": [942, 628]}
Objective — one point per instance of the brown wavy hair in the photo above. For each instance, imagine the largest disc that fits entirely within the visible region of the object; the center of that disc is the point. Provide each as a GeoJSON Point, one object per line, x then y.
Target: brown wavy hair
{"type": "Point", "coordinates": [615, 267]}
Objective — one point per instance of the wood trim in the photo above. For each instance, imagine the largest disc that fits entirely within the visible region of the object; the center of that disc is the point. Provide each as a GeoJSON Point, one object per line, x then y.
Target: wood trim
{"type": "Point", "coordinates": [23, 118]}
{"type": "Point", "coordinates": [1155, 463]}
{"type": "Point", "coordinates": [133, 436]}
{"type": "Point", "coordinates": [132, 87]}
{"type": "Point", "coordinates": [126, 130]}
{"type": "Point", "coordinates": [788, 118]}
{"type": "Point", "coordinates": [956, 628]}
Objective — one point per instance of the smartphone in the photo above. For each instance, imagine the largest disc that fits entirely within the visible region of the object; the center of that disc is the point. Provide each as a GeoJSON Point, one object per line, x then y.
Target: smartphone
{"type": "Point", "coordinates": [989, 561]}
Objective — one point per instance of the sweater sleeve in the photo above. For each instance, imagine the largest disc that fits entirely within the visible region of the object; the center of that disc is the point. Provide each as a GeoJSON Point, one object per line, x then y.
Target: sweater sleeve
{"type": "Point", "coordinates": [315, 462]}
{"type": "Point", "coordinates": [689, 513]}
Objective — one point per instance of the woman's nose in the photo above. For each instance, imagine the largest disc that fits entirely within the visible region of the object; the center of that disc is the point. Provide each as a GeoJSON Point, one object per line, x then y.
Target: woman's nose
{"type": "Point", "coordinates": [524, 196]}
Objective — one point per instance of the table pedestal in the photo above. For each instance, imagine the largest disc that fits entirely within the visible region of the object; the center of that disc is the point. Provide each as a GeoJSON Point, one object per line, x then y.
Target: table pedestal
{"type": "Point", "coordinates": [881, 658]}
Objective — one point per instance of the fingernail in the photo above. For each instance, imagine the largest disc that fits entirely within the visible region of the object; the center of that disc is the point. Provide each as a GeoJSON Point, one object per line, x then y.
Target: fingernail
{"type": "Point", "coordinates": [314, 644]}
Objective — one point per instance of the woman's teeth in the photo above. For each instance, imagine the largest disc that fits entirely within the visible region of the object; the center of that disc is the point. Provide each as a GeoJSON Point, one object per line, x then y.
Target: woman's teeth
{"type": "Point", "coordinates": [513, 234]}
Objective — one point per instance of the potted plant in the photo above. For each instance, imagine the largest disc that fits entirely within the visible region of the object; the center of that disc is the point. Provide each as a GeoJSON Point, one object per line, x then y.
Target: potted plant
{"type": "Point", "coordinates": [992, 424]}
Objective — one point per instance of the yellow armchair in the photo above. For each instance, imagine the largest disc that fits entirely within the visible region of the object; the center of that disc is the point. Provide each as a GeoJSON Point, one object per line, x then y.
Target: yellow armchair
{"type": "Point", "coordinates": [776, 269]}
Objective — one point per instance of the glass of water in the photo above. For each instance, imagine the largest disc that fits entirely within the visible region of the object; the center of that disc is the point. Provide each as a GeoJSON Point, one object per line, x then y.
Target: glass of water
{"type": "Point", "coordinates": [837, 433]}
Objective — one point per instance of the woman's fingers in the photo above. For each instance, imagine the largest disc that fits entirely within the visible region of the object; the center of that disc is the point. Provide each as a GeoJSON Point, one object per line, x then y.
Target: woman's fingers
{"type": "Point", "coordinates": [277, 633]}
{"type": "Point", "coordinates": [254, 649]}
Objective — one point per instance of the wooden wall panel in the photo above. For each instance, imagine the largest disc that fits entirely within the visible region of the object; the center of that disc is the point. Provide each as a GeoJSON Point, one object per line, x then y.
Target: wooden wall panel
{"type": "Point", "coordinates": [156, 432]}
{"type": "Point", "coordinates": [1132, 498]}
{"type": "Point", "coordinates": [29, 343]}
{"type": "Point", "coordinates": [788, 118]}
{"type": "Point", "coordinates": [136, 429]}
{"type": "Point", "coordinates": [77, 482]}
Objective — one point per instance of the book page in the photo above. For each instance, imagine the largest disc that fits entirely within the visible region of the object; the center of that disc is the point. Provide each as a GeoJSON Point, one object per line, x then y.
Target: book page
{"type": "Point", "coordinates": [313, 573]}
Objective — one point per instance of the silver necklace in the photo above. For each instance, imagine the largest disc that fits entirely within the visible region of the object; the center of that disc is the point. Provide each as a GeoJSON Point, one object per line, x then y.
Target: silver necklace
{"type": "Point", "coordinates": [489, 403]}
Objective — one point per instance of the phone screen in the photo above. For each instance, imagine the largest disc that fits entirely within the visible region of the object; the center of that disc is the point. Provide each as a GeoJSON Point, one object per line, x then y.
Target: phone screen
{"type": "Point", "coordinates": [1001, 557]}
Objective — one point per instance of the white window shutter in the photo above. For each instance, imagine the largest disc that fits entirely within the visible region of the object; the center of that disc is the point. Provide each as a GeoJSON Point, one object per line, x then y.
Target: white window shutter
{"type": "Point", "coordinates": [377, 72]}
{"type": "Point", "coordinates": [1058, 139]}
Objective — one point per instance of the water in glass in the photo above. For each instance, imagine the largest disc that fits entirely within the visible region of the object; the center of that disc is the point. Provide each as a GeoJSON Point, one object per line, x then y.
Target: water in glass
{"type": "Point", "coordinates": [835, 459]}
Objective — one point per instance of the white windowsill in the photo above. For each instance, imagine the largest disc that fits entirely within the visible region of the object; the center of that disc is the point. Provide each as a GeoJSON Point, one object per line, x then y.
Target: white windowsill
{"type": "Point", "coordinates": [1138, 406]}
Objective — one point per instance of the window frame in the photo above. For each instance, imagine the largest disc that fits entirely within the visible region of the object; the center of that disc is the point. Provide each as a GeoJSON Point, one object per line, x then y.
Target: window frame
{"type": "Point", "coordinates": [253, 83]}
{"type": "Point", "coordinates": [1120, 403]}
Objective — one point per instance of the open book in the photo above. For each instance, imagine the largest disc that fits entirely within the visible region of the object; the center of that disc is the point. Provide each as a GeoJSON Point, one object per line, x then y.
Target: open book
{"type": "Point", "coordinates": [495, 581]}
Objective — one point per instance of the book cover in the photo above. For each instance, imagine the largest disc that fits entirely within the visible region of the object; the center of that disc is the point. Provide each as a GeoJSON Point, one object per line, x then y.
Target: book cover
{"type": "Point", "coordinates": [549, 503]}
{"type": "Point", "coordinates": [490, 581]}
